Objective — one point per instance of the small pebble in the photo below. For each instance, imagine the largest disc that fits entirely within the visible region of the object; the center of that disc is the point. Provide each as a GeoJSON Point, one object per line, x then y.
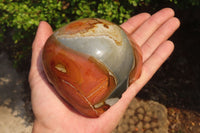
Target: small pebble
{"type": "Point", "coordinates": [155, 131]}
{"type": "Point", "coordinates": [135, 119]}
{"type": "Point", "coordinates": [147, 118]}
{"type": "Point", "coordinates": [149, 113]}
{"type": "Point", "coordinates": [131, 121]}
{"type": "Point", "coordinates": [147, 126]}
{"type": "Point", "coordinates": [140, 116]}
{"type": "Point", "coordinates": [154, 124]}
{"type": "Point", "coordinates": [132, 127]}
{"type": "Point", "coordinates": [125, 127]}
{"type": "Point", "coordinates": [141, 110]}
{"type": "Point", "coordinates": [148, 131]}
{"type": "Point", "coordinates": [140, 125]}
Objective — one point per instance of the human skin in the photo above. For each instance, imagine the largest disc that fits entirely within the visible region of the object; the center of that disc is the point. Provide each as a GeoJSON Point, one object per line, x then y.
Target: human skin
{"type": "Point", "coordinates": [53, 115]}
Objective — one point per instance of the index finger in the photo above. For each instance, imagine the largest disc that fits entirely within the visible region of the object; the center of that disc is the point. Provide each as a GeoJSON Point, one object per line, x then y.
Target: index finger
{"type": "Point", "coordinates": [134, 22]}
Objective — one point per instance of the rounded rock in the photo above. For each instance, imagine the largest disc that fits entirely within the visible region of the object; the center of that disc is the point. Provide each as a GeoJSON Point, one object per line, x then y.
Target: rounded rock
{"type": "Point", "coordinates": [90, 62]}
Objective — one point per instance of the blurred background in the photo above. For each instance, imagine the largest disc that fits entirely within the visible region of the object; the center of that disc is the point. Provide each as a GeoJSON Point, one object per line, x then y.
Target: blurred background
{"type": "Point", "coordinates": [175, 85]}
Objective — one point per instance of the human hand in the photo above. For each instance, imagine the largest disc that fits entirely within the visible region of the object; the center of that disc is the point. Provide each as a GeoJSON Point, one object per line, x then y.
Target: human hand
{"type": "Point", "coordinates": [52, 114]}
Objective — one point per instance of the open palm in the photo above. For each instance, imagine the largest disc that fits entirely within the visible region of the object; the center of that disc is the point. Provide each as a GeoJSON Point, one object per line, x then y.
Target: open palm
{"type": "Point", "coordinates": [52, 114]}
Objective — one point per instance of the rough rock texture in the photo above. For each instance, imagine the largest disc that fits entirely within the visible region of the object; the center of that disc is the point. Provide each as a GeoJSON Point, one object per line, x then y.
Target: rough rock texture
{"type": "Point", "coordinates": [144, 117]}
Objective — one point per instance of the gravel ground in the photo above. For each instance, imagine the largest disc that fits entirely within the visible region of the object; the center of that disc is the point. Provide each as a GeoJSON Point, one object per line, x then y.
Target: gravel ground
{"type": "Point", "coordinates": [12, 111]}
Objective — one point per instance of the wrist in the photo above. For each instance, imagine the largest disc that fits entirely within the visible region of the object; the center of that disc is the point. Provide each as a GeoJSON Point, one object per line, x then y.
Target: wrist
{"type": "Point", "coordinates": [38, 127]}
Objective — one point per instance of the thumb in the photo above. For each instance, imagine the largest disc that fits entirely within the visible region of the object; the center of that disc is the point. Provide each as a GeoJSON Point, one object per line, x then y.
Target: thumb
{"type": "Point", "coordinates": [43, 32]}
